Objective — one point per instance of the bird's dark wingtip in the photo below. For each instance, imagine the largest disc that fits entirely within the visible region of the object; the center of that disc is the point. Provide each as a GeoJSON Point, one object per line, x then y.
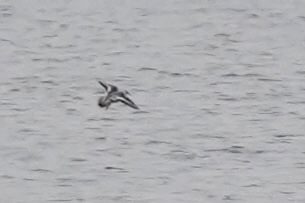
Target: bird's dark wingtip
{"type": "Point", "coordinates": [132, 105]}
{"type": "Point", "coordinates": [103, 84]}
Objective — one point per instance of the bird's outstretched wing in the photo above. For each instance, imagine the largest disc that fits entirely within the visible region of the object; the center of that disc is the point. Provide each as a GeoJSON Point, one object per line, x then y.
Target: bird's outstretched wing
{"type": "Point", "coordinates": [109, 88]}
{"type": "Point", "coordinates": [124, 99]}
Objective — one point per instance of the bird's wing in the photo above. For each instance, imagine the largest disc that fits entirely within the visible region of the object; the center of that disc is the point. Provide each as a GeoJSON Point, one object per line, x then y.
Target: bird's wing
{"type": "Point", "coordinates": [127, 101]}
{"type": "Point", "coordinates": [109, 88]}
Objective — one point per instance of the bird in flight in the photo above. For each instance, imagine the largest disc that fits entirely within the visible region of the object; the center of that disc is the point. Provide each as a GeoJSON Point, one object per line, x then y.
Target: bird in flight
{"type": "Point", "coordinates": [113, 95]}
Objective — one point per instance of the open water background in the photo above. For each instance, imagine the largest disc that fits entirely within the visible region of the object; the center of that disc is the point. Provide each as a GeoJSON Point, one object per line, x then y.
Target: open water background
{"type": "Point", "coordinates": [220, 84]}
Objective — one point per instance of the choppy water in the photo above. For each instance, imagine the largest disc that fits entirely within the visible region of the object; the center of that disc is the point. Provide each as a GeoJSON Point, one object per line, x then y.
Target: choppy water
{"type": "Point", "coordinates": [220, 84]}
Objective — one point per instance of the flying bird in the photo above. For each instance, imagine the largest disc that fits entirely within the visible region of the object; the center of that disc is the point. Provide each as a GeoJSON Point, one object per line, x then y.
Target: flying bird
{"type": "Point", "coordinates": [113, 95]}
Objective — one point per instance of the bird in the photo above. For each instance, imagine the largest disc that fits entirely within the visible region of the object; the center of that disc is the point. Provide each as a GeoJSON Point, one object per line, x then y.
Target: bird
{"type": "Point", "coordinates": [113, 95]}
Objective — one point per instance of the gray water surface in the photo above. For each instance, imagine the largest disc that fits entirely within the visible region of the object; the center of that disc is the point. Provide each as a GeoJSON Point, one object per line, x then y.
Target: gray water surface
{"type": "Point", "coordinates": [220, 85]}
